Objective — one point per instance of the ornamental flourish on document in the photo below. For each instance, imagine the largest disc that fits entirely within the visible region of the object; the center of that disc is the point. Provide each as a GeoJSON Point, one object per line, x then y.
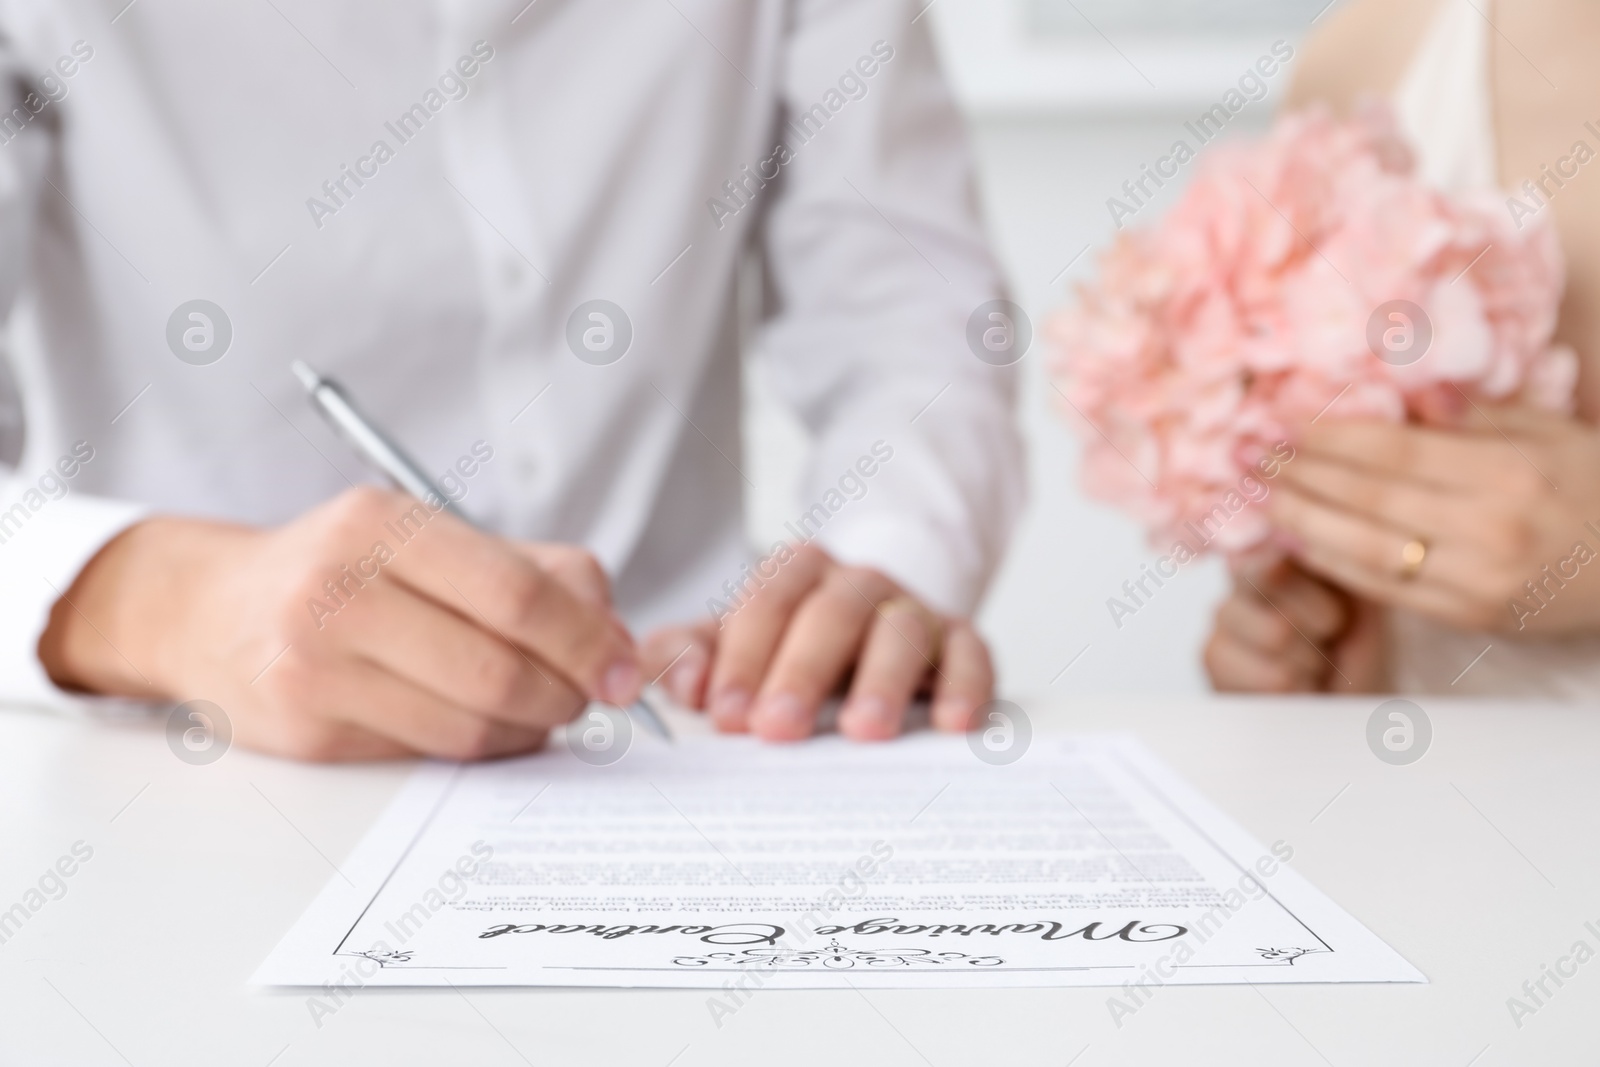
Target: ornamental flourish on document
{"type": "Point", "coordinates": [838, 957]}
{"type": "Point", "coordinates": [1287, 955]}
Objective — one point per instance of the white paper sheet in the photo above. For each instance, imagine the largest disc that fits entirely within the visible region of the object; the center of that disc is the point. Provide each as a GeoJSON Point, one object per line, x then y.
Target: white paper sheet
{"type": "Point", "coordinates": [728, 862]}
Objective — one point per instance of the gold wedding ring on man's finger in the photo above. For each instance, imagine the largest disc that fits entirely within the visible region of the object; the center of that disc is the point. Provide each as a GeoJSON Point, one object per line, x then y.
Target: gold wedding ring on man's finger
{"type": "Point", "coordinates": [1412, 556]}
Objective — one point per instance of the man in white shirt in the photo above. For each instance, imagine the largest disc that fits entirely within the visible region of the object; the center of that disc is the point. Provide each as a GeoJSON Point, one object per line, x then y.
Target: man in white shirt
{"type": "Point", "coordinates": [513, 230]}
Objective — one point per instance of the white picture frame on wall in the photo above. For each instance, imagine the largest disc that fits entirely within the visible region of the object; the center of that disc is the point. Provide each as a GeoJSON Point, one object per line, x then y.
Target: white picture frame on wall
{"type": "Point", "coordinates": [1165, 17]}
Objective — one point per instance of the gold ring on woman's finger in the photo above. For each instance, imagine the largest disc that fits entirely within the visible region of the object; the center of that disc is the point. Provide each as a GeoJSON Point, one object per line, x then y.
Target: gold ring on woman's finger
{"type": "Point", "coordinates": [1412, 556]}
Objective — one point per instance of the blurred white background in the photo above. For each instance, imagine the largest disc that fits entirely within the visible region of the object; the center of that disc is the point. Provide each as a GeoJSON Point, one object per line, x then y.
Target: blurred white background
{"type": "Point", "coordinates": [1062, 110]}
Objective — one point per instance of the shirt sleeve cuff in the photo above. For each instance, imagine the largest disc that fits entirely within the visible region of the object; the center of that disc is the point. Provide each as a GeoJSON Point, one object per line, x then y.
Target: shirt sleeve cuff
{"type": "Point", "coordinates": [44, 544]}
{"type": "Point", "coordinates": [908, 552]}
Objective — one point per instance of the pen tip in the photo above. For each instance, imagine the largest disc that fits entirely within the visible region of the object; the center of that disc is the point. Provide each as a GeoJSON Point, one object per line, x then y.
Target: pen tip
{"type": "Point", "coordinates": [308, 377]}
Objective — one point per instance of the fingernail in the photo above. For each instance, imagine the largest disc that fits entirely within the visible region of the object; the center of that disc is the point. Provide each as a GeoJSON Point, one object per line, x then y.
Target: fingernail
{"type": "Point", "coordinates": [621, 683]}
{"type": "Point", "coordinates": [1288, 542]}
{"type": "Point", "coordinates": [952, 713]}
{"type": "Point", "coordinates": [1453, 403]}
{"type": "Point", "coordinates": [728, 708]}
{"type": "Point", "coordinates": [785, 712]}
{"type": "Point", "coordinates": [869, 711]}
{"type": "Point", "coordinates": [686, 675]}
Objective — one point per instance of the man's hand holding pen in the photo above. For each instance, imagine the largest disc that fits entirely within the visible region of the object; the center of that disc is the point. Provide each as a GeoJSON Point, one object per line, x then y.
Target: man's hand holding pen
{"type": "Point", "coordinates": [331, 638]}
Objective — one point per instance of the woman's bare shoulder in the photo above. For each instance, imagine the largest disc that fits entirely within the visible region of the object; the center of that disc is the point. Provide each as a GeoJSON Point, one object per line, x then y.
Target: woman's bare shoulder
{"type": "Point", "coordinates": [1361, 49]}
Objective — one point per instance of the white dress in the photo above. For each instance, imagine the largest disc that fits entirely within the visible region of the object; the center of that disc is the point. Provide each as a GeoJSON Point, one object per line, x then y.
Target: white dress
{"type": "Point", "coordinates": [1445, 106]}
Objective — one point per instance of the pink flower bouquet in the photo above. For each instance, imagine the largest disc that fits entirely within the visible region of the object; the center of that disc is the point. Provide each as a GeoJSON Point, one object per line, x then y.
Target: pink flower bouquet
{"type": "Point", "coordinates": [1311, 274]}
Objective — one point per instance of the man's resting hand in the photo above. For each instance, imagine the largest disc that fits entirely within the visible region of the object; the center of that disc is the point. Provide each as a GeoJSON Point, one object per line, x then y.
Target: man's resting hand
{"type": "Point", "coordinates": [770, 664]}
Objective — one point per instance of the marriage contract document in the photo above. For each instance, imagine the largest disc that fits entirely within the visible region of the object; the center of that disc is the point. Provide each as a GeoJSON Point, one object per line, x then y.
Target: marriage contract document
{"type": "Point", "coordinates": [725, 861]}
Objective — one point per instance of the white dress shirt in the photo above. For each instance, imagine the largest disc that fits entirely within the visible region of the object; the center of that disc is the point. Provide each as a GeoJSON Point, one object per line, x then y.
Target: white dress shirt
{"type": "Point", "coordinates": [535, 157]}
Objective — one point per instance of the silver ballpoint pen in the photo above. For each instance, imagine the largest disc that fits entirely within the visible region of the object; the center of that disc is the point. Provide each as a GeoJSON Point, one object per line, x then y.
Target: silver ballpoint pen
{"type": "Point", "coordinates": [389, 459]}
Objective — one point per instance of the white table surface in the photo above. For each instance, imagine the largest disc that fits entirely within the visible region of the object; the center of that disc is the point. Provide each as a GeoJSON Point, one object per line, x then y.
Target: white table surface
{"type": "Point", "coordinates": [1478, 863]}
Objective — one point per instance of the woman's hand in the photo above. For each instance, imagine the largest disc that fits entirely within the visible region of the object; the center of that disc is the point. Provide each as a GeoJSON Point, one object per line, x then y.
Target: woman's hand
{"type": "Point", "coordinates": [1500, 510]}
{"type": "Point", "coordinates": [1284, 631]}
